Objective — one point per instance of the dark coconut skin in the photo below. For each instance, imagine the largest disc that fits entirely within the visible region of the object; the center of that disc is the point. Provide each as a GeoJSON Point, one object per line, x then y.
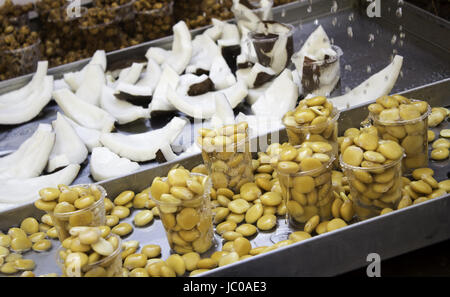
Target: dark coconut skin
{"type": "Point", "coordinates": [201, 88]}
{"type": "Point", "coordinates": [310, 71]}
{"type": "Point", "coordinates": [262, 78]}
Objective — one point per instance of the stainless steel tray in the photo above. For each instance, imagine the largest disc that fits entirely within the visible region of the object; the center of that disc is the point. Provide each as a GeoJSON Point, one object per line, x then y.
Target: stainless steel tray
{"type": "Point", "coordinates": [324, 255]}
{"type": "Point", "coordinates": [425, 56]}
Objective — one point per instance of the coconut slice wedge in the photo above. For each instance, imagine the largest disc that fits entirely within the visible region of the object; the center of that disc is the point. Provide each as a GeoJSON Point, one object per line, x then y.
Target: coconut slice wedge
{"type": "Point", "coordinates": [18, 95]}
{"type": "Point", "coordinates": [221, 74]}
{"type": "Point", "coordinates": [160, 104]}
{"type": "Point", "coordinates": [165, 154]}
{"type": "Point", "coordinates": [90, 89]}
{"type": "Point", "coordinates": [224, 113]}
{"type": "Point", "coordinates": [21, 191]}
{"type": "Point", "coordinates": [259, 75]}
{"type": "Point", "coordinates": [143, 147]}
{"type": "Point", "coordinates": [26, 109]}
{"type": "Point", "coordinates": [236, 93]}
{"type": "Point", "coordinates": [151, 76]}
{"type": "Point", "coordinates": [75, 79]}
{"type": "Point", "coordinates": [30, 158]}
{"type": "Point", "coordinates": [123, 111]}
{"type": "Point", "coordinates": [279, 98]}
{"type": "Point", "coordinates": [229, 45]}
{"type": "Point", "coordinates": [90, 137]}
{"type": "Point", "coordinates": [180, 55]}
{"type": "Point", "coordinates": [204, 50]}
{"type": "Point", "coordinates": [85, 114]}
{"type": "Point", "coordinates": [193, 85]}
{"type": "Point", "coordinates": [256, 93]}
{"type": "Point", "coordinates": [68, 148]}
{"type": "Point", "coordinates": [377, 85]}
{"type": "Point", "coordinates": [105, 164]}
{"type": "Point", "coordinates": [131, 74]}
{"type": "Point", "coordinates": [215, 32]}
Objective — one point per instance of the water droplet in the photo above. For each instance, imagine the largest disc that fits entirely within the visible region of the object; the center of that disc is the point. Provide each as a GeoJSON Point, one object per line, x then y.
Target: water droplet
{"type": "Point", "coordinates": [332, 40]}
{"type": "Point", "coordinates": [394, 51]}
{"type": "Point", "coordinates": [350, 32]}
{"type": "Point", "coordinates": [316, 22]}
{"type": "Point", "coordinates": [334, 7]}
{"type": "Point", "coordinates": [348, 67]}
{"type": "Point", "coordinates": [283, 13]}
{"type": "Point", "coordinates": [371, 37]}
{"type": "Point", "coordinates": [400, 43]}
{"type": "Point", "coordinates": [300, 26]}
{"type": "Point", "coordinates": [401, 73]}
{"type": "Point", "coordinates": [347, 89]}
{"type": "Point", "coordinates": [309, 9]}
{"type": "Point", "coordinates": [365, 91]}
{"type": "Point", "coordinates": [334, 21]}
{"type": "Point", "coordinates": [400, 28]}
{"type": "Point", "coordinates": [351, 17]}
{"type": "Point", "coordinates": [386, 77]}
{"type": "Point", "coordinates": [394, 39]}
{"type": "Point", "coordinates": [398, 12]}
{"type": "Point", "coordinates": [369, 69]}
{"type": "Point", "coordinates": [402, 35]}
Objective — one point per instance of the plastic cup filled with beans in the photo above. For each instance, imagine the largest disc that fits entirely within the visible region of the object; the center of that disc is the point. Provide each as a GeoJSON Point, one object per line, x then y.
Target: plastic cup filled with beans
{"type": "Point", "coordinates": [314, 119]}
{"type": "Point", "coordinates": [90, 252]}
{"type": "Point", "coordinates": [404, 121]}
{"type": "Point", "coordinates": [226, 154]}
{"type": "Point", "coordinates": [153, 19]}
{"type": "Point", "coordinates": [124, 11]}
{"type": "Point", "coordinates": [304, 173]}
{"type": "Point", "coordinates": [191, 12]}
{"type": "Point", "coordinates": [372, 166]}
{"type": "Point", "coordinates": [183, 200]}
{"type": "Point", "coordinates": [101, 29]}
{"type": "Point", "coordinates": [80, 205]}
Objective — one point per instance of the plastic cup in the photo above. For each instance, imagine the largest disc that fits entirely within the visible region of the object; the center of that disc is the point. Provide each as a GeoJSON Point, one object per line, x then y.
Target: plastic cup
{"type": "Point", "coordinates": [374, 188]}
{"type": "Point", "coordinates": [412, 135]}
{"type": "Point", "coordinates": [92, 216]}
{"type": "Point", "coordinates": [155, 23]}
{"type": "Point", "coordinates": [112, 264]}
{"type": "Point", "coordinates": [172, 213]}
{"type": "Point", "coordinates": [19, 61]}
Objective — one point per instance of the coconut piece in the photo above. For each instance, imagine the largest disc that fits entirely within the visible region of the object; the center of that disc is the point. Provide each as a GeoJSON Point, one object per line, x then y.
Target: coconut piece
{"type": "Point", "coordinates": [85, 114]}
{"type": "Point", "coordinates": [131, 74]}
{"type": "Point", "coordinates": [224, 113]}
{"type": "Point", "coordinates": [165, 154]}
{"type": "Point", "coordinates": [19, 94]}
{"type": "Point", "coordinates": [151, 76]}
{"type": "Point", "coordinates": [21, 191]}
{"type": "Point", "coordinates": [143, 147]}
{"type": "Point", "coordinates": [221, 74]}
{"type": "Point", "coordinates": [379, 84]}
{"type": "Point", "coordinates": [30, 158]}
{"type": "Point", "coordinates": [317, 45]}
{"type": "Point", "coordinates": [259, 75]}
{"type": "Point", "coordinates": [275, 103]}
{"type": "Point", "coordinates": [90, 137]}
{"type": "Point", "coordinates": [139, 95]}
{"type": "Point", "coordinates": [105, 164]}
{"type": "Point", "coordinates": [169, 79]}
{"type": "Point", "coordinates": [229, 44]}
{"type": "Point", "coordinates": [27, 108]}
{"type": "Point", "coordinates": [180, 55]}
{"type": "Point", "coordinates": [194, 85]}
{"type": "Point", "coordinates": [68, 148]}
{"type": "Point", "coordinates": [74, 79]}
{"type": "Point", "coordinates": [256, 93]}
{"type": "Point", "coordinates": [236, 93]}
{"type": "Point", "coordinates": [215, 32]}
{"type": "Point", "coordinates": [123, 111]}
{"type": "Point", "coordinates": [204, 50]}
{"type": "Point", "coordinates": [90, 89]}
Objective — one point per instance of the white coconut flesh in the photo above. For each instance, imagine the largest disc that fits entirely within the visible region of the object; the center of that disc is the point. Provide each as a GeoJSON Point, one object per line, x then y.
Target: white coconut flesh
{"type": "Point", "coordinates": [30, 159]}
{"type": "Point", "coordinates": [204, 50]}
{"type": "Point", "coordinates": [74, 79]}
{"type": "Point", "coordinates": [143, 147]}
{"type": "Point", "coordinates": [123, 111]}
{"type": "Point", "coordinates": [68, 148]}
{"type": "Point", "coordinates": [274, 103]}
{"type": "Point", "coordinates": [21, 191]}
{"type": "Point", "coordinates": [151, 76]}
{"type": "Point", "coordinates": [105, 164]}
{"type": "Point", "coordinates": [131, 74]}
{"type": "Point", "coordinates": [18, 95]}
{"type": "Point", "coordinates": [27, 108]}
{"type": "Point", "coordinates": [85, 114]}
{"type": "Point", "coordinates": [169, 79]}
{"type": "Point", "coordinates": [221, 74]}
{"type": "Point", "coordinates": [90, 137]}
{"type": "Point", "coordinates": [215, 32]}
{"type": "Point", "coordinates": [377, 85]}
{"type": "Point", "coordinates": [90, 89]}
{"type": "Point", "coordinates": [188, 80]}
{"type": "Point", "coordinates": [224, 114]}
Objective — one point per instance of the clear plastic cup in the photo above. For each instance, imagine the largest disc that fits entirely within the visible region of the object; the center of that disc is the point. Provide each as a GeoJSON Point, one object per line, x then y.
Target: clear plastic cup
{"type": "Point", "coordinates": [264, 44]}
{"type": "Point", "coordinates": [229, 165]}
{"type": "Point", "coordinates": [374, 188]}
{"type": "Point", "coordinates": [20, 61]}
{"type": "Point", "coordinates": [198, 211]}
{"type": "Point", "coordinates": [155, 23]}
{"type": "Point", "coordinates": [110, 266]}
{"type": "Point", "coordinates": [327, 131]}
{"type": "Point", "coordinates": [319, 77]}
{"type": "Point", "coordinates": [308, 193]}
{"type": "Point", "coordinates": [92, 216]}
{"type": "Point", "coordinates": [412, 135]}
